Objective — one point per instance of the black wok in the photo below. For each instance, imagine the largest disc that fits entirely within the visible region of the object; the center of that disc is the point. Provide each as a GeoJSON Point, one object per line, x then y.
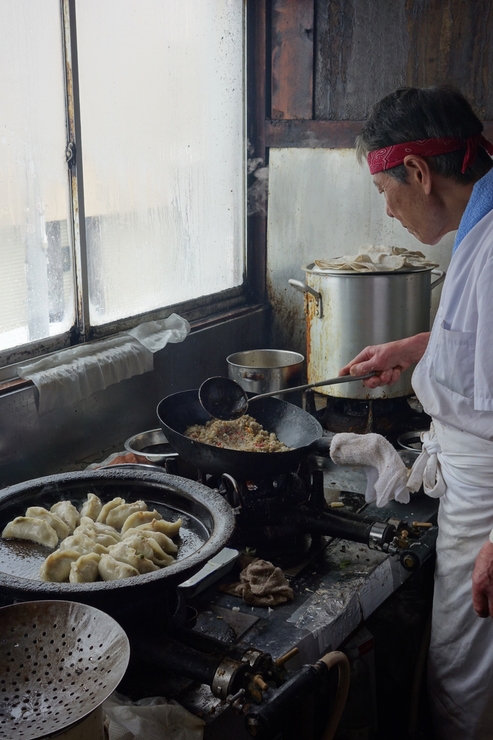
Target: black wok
{"type": "Point", "coordinates": [293, 426]}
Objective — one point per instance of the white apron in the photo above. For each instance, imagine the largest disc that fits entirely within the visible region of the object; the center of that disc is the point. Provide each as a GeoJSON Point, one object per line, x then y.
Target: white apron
{"type": "Point", "coordinates": [460, 664]}
{"type": "Point", "coordinates": [454, 382]}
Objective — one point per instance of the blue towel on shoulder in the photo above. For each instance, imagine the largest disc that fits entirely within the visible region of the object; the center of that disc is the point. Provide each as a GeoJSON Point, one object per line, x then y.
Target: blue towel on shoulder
{"type": "Point", "coordinates": [480, 203]}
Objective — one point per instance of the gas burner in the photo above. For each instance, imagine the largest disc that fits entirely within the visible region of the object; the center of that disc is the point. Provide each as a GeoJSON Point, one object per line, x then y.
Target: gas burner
{"type": "Point", "coordinates": [285, 518]}
{"type": "Point", "coordinates": [387, 416]}
{"type": "Point", "coordinates": [261, 508]}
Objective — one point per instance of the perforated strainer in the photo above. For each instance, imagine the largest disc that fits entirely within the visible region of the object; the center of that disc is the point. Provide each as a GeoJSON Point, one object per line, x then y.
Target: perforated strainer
{"type": "Point", "coordinates": [59, 660]}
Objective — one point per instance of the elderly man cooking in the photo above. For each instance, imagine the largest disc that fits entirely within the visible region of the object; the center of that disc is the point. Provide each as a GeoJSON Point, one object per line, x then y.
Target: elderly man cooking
{"type": "Point", "coordinates": [428, 157]}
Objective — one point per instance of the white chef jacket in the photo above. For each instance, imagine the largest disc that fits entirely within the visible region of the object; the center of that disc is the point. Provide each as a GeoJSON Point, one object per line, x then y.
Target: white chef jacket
{"type": "Point", "coordinates": [454, 380]}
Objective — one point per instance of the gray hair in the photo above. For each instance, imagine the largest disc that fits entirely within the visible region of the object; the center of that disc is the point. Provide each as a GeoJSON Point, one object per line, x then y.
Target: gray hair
{"type": "Point", "coordinates": [412, 114]}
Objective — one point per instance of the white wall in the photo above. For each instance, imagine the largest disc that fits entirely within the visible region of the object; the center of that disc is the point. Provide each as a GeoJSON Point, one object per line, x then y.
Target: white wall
{"type": "Point", "coordinates": [323, 203]}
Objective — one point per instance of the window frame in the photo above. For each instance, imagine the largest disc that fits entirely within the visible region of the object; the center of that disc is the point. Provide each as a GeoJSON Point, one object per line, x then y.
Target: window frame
{"type": "Point", "coordinates": [202, 311]}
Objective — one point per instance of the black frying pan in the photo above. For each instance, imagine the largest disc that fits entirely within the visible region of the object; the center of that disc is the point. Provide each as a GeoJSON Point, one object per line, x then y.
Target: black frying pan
{"type": "Point", "coordinates": [293, 426]}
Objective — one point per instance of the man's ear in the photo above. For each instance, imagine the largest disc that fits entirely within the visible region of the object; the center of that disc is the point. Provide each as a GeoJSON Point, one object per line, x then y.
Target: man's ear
{"type": "Point", "coordinates": [419, 172]}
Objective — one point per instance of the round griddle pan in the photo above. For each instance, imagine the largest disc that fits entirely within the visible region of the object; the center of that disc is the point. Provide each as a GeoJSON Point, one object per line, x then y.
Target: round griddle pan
{"type": "Point", "coordinates": [208, 523]}
{"type": "Point", "coordinates": [293, 426]}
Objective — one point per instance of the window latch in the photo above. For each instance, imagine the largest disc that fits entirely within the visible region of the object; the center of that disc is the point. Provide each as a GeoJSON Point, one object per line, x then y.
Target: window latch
{"type": "Point", "coordinates": [70, 154]}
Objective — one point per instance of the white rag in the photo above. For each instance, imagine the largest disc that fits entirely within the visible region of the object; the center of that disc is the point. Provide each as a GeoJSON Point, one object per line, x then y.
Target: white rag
{"type": "Point", "coordinates": [150, 719]}
{"type": "Point", "coordinates": [66, 377]}
{"type": "Point", "coordinates": [377, 258]}
{"type": "Point", "coordinates": [386, 474]}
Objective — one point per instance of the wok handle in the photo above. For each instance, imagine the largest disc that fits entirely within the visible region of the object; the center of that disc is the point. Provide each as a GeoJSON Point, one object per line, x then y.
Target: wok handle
{"type": "Point", "coordinates": [332, 381]}
{"type": "Point", "coordinates": [304, 288]}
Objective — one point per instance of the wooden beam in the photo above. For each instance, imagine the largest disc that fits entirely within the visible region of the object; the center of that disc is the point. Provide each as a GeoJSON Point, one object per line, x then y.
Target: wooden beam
{"type": "Point", "coordinates": [312, 134]}
{"type": "Point", "coordinates": [292, 59]}
{"type": "Point", "coordinates": [323, 134]}
{"type": "Point", "coordinates": [256, 103]}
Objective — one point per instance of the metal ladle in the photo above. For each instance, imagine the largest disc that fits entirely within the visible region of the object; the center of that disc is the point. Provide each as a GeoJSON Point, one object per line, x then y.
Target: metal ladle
{"type": "Point", "coordinates": [225, 399]}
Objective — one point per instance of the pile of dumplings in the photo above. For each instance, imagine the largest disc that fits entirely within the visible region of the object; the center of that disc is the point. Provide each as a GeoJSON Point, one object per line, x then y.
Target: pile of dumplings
{"type": "Point", "coordinates": [111, 541]}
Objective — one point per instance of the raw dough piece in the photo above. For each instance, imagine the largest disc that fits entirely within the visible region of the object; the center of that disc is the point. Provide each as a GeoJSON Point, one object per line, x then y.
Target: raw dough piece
{"type": "Point", "coordinates": [91, 507]}
{"type": "Point", "coordinates": [116, 517]}
{"type": "Point", "coordinates": [140, 517]}
{"type": "Point", "coordinates": [82, 544]}
{"type": "Point", "coordinates": [56, 567]}
{"type": "Point", "coordinates": [85, 569]}
{"type": "Point", "coordinates": [149, 548]}
{"type": "Point", "coordinates": [68, 513]}
{"type": "Point", "coordinates": [126, 554]}
{"type": "Point", "coordinates": [30, 528]}
{"type": "Point", "coordinates": [108, 507]}
{"type": "Point", "coordinates": [113, 570]}
{"type": "Point", "coordinates": [53, 520]}
{"type": "Point", "coordinates": [161, 525]}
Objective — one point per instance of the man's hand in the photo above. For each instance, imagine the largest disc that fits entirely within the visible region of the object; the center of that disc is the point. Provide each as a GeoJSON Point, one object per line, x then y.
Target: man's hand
{"type": "Point", "coordinates": [482, 582]}
{"type": "Point", "coordinates": [389, 360]}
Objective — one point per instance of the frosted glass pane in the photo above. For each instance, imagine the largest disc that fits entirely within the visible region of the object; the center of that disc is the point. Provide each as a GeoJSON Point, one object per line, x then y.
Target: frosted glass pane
{"type": "Point", "coordinates": [36, 292]}
{"type": "Point", "coordinates": [162, 109]}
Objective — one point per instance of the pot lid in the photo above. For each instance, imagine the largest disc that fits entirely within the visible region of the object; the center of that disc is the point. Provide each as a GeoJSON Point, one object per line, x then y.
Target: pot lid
{"type": "Point", "coordinates": [313, 269]}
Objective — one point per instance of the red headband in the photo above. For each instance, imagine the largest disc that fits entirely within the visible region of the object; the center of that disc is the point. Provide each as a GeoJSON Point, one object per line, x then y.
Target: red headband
{"type": "Point", "coordinates": [391, 156]}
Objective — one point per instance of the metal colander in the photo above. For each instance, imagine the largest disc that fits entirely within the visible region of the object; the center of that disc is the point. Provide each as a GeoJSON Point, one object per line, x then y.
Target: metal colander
{"type": "Point", "coordinates": [59, 660]}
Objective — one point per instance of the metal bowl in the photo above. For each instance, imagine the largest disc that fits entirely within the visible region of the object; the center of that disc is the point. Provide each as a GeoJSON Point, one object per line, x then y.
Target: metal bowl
{"type": "Point", "coordinates": [137, 466]}
{"type": "Point", "coordinates": [411, 441]}
{"type": "Point", "coordinates": [152, 445]}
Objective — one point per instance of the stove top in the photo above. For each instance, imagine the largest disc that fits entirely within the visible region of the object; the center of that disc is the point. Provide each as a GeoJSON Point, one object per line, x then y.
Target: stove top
{"type": "Point", "coordinates": [387, 416]}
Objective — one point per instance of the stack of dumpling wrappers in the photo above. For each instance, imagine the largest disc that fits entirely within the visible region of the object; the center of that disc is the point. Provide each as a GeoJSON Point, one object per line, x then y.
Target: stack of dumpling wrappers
{"type": "Point", "coordinates": [377, 258]}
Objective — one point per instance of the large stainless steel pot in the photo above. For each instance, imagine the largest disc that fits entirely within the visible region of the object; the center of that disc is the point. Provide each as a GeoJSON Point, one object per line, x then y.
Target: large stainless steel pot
{"type": "Point", "coordinates": [347, 311]}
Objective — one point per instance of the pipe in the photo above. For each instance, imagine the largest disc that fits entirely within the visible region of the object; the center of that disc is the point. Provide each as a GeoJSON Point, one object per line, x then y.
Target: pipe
{"type": "Point", "coordinates": [262, 719]}
{"type": "Point", "coordinates": [178, 658]}
{"type": "Point", "coordinates": [336, 657]}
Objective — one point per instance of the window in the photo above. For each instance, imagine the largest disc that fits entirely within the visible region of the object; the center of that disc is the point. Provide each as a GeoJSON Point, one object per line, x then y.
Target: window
{"type": "Point", "coordinates": [146, 99]}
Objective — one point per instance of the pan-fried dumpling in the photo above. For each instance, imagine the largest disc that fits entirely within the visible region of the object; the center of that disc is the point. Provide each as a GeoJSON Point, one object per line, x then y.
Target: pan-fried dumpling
{"type": "Point", "coordinates": [117, 516]}
{"type": "Point", "coordinates": [99, 527]}
{"type": "Point", "coordinates": [85, 569]}
{"type": "Point", "coordinates": [113, 570]}
{"type": "Point", "coordinates": [126, 554]}
{"type": "Point", "coordinates": [99, 538]}
{"type": "Point", "coordinates": [149, 548]}
{"type": "Point", "coordinates": [31, 528]}
{"type": "Point", "coordinates": [140, 517]}
{"type": "Point", "coordinates": [82, 544]}
{"type": "Point", "coordinates": [56, 567]}
{"type": "Point", "coordinates": [161, 525]}
{"type": "Point", "coordinates": [53, 520]}
{"type": "Point", "coordinates": [164, 542]}
{"type": "Point", "coordinates": [108, 507]}
{"type": "Point", "coordinates": [91, 507]}
{"type": "Point", "coordinates": [67, 512]}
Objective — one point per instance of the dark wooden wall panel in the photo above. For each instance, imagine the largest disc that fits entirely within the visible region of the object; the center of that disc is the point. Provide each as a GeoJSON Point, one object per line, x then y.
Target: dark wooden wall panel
{"type": "Point", "coordinates": [292, 59]}
{"type": "Point", "coordinates": [451, 42]}
{"type": "Point", "coordinates": [331, 60]}
{"type": "Point", "coordinates": [367, 48]}
{"type": "Point", "coordinates": [361, 54]}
